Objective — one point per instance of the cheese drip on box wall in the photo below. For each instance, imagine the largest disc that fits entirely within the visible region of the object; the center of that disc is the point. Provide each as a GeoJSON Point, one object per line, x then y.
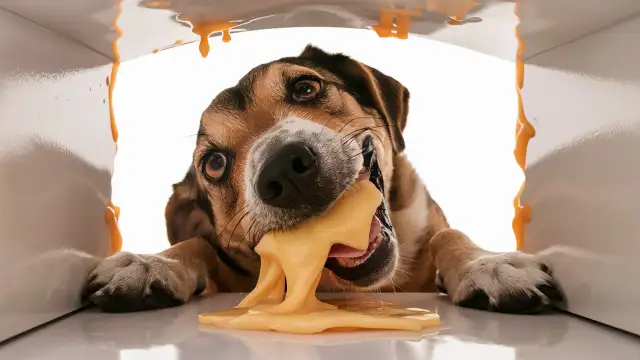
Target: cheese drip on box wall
{"type": "Point", "coordinates": [112, 212]}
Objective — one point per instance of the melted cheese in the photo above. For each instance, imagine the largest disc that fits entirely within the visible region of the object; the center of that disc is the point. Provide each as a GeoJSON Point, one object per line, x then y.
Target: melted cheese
{"type": "Point", "coordinates": [112, 212]}
{"type": "Point", "coordinates": [524, 133]}
{"type": "Point", "coordinates": [396, 22]}
{"type": "Point", "coordinates": [297, 256]}
{"type": "Point", "coordinates": [204, 29]}
{"type": "Point", "coordinates": [175, 44]}
{"type": "Point", "coordinates": [111, 216]}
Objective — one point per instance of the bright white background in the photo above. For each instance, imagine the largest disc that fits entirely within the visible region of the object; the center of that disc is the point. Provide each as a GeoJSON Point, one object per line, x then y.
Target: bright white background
{"type": "Point", "coordinates": [460, 133]}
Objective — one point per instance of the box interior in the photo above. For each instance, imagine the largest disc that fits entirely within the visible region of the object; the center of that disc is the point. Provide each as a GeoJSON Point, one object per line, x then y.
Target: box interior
{"type": "Point", "coordinates": [57, 156]}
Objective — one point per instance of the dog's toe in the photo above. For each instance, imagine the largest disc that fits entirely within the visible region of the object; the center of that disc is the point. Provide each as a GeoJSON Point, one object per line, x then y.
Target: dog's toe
{"type": "Point", "coordinates": [477, 299]}
{"type": "Point", "coordinates": [119, 300]}
{"type": "Point", "coordinates": [440, 283]}
{"type": "Point", "coordinates": [552, 291]}
{"type": "Point", "coordinates": [519, 303]}
{"type": "Point", "coordinates": [513, 283]}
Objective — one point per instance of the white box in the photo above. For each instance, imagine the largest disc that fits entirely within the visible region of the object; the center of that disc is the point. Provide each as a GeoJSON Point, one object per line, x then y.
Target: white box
{"type": "Point", "coordinates": [582, 80]}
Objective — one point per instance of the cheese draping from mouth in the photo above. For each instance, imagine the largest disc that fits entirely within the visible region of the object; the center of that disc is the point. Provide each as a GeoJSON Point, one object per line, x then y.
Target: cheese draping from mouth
{"type": "Point", "coordinates": [297, 256]}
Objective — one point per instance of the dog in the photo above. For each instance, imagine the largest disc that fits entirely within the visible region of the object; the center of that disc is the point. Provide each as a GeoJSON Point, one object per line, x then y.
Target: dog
{"type": "Point", "coordinates": [280, 147]}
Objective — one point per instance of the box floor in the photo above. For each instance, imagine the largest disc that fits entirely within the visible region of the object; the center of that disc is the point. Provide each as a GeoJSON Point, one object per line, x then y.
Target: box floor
{"type": "Point", "coordinates": [174, 334]}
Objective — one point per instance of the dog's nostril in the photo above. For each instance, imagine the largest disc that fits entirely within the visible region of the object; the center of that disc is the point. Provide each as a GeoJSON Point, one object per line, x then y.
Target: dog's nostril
{"type": "Point", "coordinates": [275, 188]}
{"type": "Point", "coordinates": [299, 165]}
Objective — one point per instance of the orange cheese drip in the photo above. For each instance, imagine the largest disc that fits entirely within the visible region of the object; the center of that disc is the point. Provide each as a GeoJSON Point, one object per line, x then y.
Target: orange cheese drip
{"type": "Point", "coordinates": [386, 27]}
{"type": "Point", "coordinates": [524, 133]}
{"type": "Point", "coordinates": [111, 81]}
{"type": "Point", "coordinates": [176, 43]}
{"type": "Point", "coordinates": [458, 11]}
{"type": "Point", "coordinates": [204, 29]}
{"type": "Point", "coordinates": [112, 212]}
{"type": "Point", "coordinates": [157, 4]}
{"type": "Point", "coordinates": [111, 216]}
{"type": "Point", "coordinates": [395, 22]}
{"type": "Point", "coordinates": [297, 256]}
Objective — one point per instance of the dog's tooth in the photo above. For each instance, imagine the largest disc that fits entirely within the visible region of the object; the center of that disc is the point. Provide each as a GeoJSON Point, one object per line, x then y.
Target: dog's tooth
{"type": "Point", "coordinates": [345, 262]}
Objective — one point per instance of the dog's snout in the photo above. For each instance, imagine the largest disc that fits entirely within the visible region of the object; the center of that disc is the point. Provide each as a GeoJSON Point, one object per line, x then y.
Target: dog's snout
{"type": "Point", "coordinates": [289, 178]}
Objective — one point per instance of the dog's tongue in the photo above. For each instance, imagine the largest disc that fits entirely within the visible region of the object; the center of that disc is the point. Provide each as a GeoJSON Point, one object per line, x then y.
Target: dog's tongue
{"type": "Point", "coordinates": [344, 251]}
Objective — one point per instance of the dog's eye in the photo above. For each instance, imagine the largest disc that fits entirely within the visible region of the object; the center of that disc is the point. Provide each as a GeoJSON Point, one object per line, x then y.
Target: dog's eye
{"type": "Point", "coordinates": [216, 165]}
{"type": "Point", "coordinates": [305, 90]}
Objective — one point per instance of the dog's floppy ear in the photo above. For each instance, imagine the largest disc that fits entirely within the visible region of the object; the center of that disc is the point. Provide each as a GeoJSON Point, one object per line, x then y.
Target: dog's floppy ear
{"type": "Point", "coordinates": [371, 88]}
{"type": "Point", "coordinates": [188, 213]}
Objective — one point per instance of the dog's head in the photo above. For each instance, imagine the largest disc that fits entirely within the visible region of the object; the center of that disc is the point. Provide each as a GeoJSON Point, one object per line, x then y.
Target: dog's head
{"type": "Point", "coordinates": [287, 140]}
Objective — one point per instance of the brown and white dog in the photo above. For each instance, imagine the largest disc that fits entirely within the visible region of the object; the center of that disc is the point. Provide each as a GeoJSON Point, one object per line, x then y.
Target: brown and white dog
{"type": "Point", "coordinates": [280, 147]}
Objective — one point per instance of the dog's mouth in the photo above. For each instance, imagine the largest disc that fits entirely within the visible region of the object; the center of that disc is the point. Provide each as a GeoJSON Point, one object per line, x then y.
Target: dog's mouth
{"type": "Point", "coordinates": [364, 268]}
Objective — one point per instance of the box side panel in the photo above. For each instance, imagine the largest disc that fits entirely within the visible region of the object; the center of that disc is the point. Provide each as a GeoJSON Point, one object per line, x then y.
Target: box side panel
{"type": "Point", "coordinates": [56, 155]}
{"type": "Point", "coordinates": [583, 173]}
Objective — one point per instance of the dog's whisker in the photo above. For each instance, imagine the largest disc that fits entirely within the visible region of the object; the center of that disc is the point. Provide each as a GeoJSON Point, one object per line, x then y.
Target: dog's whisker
{"type": "Point", "coordinates": [363, 129]}
{"type": "Point", "coordinates": [373, 132]}
{"type": "Point", "coordinates": [356, 130]}
{"type": "Point", "coordinates": [352, 138]}
{"type": "Point", "coordinates": [358, 154]}
{"type": "Point", "coordinates": [252, 236]}
{"type": "Point", "coordinates": [244, 236]}
{"type": "Point", "coordinates": [236, 227]}
{"type": "Point", "coordinates": [407, 259]}
{"type": "Point", "coordinates": [347, 124]}
{"type": "Point", "coordinates": [325, 125]}
{"type": "Point", "coordinates": [231, 219]}
{"type": "Point", "coordinates": [393, 285]}
{"type": "Point", "coordinates": [404, 271]}
{"type": "Point", "coordinates": [396, 285]}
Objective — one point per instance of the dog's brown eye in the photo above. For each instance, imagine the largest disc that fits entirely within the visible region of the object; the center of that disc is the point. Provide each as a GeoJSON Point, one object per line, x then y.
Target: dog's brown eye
{"type": "Point", "coordinates": [216, 165]}
{"type": "Point", "coordinates": [306, 90]}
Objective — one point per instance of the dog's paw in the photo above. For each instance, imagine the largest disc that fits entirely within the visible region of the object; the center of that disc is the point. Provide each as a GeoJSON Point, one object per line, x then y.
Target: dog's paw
{"type": "Point", "coordinates": [128, 282]}
{"type": "Point", "coordinates": [509, 282]}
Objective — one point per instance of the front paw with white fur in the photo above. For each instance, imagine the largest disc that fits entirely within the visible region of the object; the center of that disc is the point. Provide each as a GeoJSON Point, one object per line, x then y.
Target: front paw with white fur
{"type": "Point", "coordinates": [128, 282]}
{"type": "Point", "coordinates": [508, 282]}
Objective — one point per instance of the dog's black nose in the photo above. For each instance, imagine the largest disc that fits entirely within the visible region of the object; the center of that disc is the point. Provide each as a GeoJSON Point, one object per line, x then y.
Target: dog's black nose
{"type": "Point", "coordinates": [289, 178]}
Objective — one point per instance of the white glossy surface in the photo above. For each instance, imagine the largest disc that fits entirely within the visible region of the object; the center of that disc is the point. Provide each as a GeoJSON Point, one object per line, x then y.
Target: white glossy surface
{"type": "Point", "coordinates": [173, 334]}
{"type": "Point", "coordinates": [56, 156]}
{"type": "Point", "coordinates": [583, 172]}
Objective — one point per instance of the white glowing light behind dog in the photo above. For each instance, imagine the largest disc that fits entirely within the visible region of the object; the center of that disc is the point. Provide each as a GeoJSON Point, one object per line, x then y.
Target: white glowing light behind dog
{"type": "Point", "coordinates": [460, 133]}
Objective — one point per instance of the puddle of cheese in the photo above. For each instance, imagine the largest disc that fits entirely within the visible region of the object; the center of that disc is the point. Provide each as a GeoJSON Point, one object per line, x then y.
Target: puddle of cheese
{"type": "Point", "coordinates": [297, 256]}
